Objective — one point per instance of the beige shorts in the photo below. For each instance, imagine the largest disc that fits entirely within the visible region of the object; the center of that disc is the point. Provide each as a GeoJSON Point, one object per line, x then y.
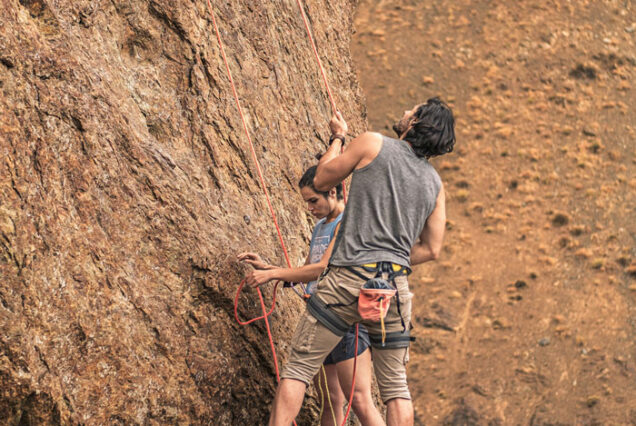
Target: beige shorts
{"type": "Point", "coordinates": [322, 327]}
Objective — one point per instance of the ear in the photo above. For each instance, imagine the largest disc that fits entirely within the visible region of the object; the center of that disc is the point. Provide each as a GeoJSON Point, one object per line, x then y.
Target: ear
{"type": "Point", "coordinates": [333, 192]}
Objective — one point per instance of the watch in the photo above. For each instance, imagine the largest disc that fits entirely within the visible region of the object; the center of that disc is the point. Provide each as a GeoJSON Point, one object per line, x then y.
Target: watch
{"type": "Point", "coordinates": [336, 136]}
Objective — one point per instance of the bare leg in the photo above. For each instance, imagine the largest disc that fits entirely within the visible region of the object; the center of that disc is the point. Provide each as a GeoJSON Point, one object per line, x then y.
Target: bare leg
{"type": "Point", "coordinates": [399, 412]}
{"type": "Point", "coordinates": [335, 394]}
{"type": "Point", "coordinates": [362, 404]}
{"type": "Point", "coordinates": [287, 403]}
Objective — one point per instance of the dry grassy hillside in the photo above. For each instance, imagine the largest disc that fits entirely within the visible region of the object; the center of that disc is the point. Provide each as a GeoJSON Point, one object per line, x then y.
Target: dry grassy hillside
{"type": "Point", "coordinates": [529, 315]}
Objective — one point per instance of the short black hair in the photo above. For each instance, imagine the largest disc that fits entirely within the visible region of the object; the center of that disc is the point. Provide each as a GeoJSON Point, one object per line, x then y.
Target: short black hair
{"type": "Point", "coordinates": [432, 129]}
{"type": "Point", "coordinates": [308, 180]}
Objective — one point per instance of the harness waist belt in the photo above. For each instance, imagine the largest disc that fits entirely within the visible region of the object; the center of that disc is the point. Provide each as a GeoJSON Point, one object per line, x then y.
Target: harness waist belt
{"type": "Point", "coordinates": [395, 340]}
{"type": "Point", "coordinates": [326, 317]}
{"type": "Point", "coordinates": [373, 267]}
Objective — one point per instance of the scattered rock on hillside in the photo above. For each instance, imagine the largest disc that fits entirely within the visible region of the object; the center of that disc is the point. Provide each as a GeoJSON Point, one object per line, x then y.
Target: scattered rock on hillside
{"type": "Point", "coordinates": [560, 219]}
{"type": "Point", "coordinates": [462, 415]}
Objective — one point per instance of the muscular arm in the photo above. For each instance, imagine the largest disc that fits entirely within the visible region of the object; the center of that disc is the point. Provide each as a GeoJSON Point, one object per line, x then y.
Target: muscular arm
{"type": "Point", "coordinates": [306, 273]}
{"type": "Point", "coordinates": [429, 243]}
{"type": "Point", "coordinates": [333, 167]}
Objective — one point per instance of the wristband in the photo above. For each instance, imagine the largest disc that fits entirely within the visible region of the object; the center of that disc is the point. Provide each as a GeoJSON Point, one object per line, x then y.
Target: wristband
{"type": "Point", "coordinates": [336, 136]}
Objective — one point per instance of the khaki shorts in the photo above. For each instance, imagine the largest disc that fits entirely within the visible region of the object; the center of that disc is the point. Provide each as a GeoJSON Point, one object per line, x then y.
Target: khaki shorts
{"type": "Point", "coordinates": [320, 330]}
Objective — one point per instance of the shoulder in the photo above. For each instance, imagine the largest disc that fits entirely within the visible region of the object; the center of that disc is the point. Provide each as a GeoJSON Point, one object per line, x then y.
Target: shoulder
{"type": "Point", "coordinates": [366, 147]}
{"type": "Point", "coordinates": [372, 137]}
{"type": "Point", "coordinates": [366, 140]}
{"type": "Point", "coordinates": [317, 227]}
{"type": "Point", "coordinates": [434, 176]}
{"type": "Point", "coordinates": [434, 173]}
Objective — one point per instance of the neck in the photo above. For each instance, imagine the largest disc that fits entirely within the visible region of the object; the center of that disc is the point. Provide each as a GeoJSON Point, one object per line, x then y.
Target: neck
{"type": "Point", "coordinates": [402, 139]}
{"type": "Point", "coordinates": [335, 212]}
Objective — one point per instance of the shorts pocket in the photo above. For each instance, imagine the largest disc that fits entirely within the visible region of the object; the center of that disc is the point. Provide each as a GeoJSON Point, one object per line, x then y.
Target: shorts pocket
{"type": "Point", "coordinates": [305, 333]}
{"type": "Point", "coordinates": [406, 297]}
{"type": "Point", "coordinates": [402, 285]}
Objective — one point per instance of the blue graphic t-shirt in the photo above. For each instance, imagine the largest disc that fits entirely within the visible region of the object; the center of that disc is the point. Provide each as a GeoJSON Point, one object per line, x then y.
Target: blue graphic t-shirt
{"type": "Point", "coordinates": [320, 239]}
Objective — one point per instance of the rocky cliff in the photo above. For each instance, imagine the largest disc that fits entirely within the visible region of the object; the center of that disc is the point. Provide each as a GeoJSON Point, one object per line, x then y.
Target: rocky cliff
{"type": "Point", "coordinates": [126, 189]}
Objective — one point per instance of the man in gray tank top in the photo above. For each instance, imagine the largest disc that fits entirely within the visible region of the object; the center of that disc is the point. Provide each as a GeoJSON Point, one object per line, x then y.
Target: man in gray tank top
{"type": "Point", "coordinates": [395, 218]}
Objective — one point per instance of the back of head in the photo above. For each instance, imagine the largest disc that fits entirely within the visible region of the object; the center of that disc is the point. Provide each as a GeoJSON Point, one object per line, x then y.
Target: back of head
{"type": "Point", "coordinates": [432, 129]}
{"type": "Point", "coordinates": [308, 180]}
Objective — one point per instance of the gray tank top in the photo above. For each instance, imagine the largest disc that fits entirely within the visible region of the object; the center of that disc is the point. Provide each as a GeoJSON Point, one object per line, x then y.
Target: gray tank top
{"type": "Point", "coordinates": [389, 202]}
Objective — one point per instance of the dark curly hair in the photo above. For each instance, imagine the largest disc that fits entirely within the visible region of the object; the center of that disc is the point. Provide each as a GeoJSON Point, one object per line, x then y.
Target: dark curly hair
{"type": "Point", "coordinates": [308, 180]}
{"type": "Point", "coordinates": [432, 129]}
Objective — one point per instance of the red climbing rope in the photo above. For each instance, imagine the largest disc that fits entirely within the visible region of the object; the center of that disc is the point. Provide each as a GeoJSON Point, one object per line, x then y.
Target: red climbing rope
{"type": "Point", "coordinates": [249, 138]}
{"type": "Point", "coordinates": [266, 192]}
{"type": "Point", "coordinates": [271, 209]}
{"type": "Point", "coordinates": [353, 377]}
{"type": "Point", "coordinates": [313, 45]}
{"type": "Point", "coordinates": [324, 77]}
{"type": "Point", "coordinates": [264, 316]}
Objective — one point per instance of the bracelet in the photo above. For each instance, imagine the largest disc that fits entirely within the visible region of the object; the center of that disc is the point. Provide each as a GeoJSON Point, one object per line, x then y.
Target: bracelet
{"type": "Point", "coordinates": [336, 136]}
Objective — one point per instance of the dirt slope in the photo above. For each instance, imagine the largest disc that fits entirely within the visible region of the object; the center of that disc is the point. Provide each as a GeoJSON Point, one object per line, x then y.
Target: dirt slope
{"type": "Point", "coordinates": [126, 190]}
{"type": "Point", "coordinates": [528, 317]}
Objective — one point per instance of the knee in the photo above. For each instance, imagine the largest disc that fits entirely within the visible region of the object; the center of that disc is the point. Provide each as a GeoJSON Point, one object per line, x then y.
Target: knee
{"type": "Point", "coordinates": [362, 399]}
{"type": "Point", "coordinates": [337, 399]}
{"type": "Point", "coordinates": [335, 393]}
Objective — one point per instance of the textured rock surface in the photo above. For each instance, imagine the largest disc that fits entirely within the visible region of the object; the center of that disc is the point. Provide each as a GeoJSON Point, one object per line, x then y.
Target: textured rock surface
{"type": "Point", "coordinates": [126, 190]}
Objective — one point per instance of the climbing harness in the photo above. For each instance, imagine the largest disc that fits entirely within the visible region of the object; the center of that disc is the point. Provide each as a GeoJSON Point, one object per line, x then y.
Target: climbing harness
{"type": "Point", "coordinates": [386, 272]}
{"type": "Point", "coordinates": [266, 313]}
{"type": "Point", "coordinates": [373, 303]}
{"type": "Point", "coordinates": [304, 295]}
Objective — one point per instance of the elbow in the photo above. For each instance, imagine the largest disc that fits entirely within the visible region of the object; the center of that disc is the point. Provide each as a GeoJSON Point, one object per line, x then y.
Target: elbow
{"type": "Point", "coordinates": [435, 253]}
{"type": "Point", "coordinates": [320, 185]}
{"type": "Point", "coordinates": [317, 270]}
{"type": "Point", "coordinates": [322, 265]}
{"type": "Point", "coordinates": [425, 253]}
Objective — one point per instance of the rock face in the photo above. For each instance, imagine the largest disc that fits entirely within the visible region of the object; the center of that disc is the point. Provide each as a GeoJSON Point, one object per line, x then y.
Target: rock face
{"type": "Point", "coordinates": [127, 188]}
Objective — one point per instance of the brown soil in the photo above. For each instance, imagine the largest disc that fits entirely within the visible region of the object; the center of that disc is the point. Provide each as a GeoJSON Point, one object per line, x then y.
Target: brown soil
{"type": "Point", "coordinates": [528, 317]}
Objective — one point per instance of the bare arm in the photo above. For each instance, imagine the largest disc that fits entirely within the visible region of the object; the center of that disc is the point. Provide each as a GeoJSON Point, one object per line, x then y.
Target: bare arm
{"type": "Point", "coordinates": [303, 274]}
{"type": "Point", "coordinates": [429, 244]}
{"type": "Point", "coordinates": [334, 167]}
{"type": "Point", "coordinates": [255, 260]}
